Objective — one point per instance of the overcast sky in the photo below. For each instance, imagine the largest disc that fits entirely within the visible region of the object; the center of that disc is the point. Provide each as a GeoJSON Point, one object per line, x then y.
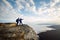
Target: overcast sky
{"type": "Point", "coordinates": [32, 11]}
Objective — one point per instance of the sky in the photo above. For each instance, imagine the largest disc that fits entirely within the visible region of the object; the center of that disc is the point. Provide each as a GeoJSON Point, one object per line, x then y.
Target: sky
{"type": "Point", "coordinates": [32, 11]}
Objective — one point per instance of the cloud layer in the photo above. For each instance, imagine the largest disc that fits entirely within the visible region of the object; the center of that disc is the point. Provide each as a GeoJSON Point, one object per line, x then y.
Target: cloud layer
{"type": "Point", "coordinates": [44, 12]}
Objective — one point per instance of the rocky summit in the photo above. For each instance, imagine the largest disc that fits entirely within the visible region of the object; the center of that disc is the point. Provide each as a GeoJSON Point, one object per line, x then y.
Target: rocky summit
{"type": "Point", "coordinates": [11, 31]}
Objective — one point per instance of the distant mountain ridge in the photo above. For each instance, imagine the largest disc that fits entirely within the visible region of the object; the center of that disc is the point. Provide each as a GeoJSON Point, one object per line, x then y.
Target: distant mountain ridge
{"type": "Point", "coordinates": [50, 35]}
{"type": "Point", "coordinates": [55, 26]}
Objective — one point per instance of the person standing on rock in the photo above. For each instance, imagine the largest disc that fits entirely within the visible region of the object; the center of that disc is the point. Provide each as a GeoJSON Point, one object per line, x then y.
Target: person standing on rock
{"type": "Point", "coordinates": [19, 21]}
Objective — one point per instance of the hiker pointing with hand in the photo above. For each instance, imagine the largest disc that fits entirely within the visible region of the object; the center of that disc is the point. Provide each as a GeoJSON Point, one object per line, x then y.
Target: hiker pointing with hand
{"type": "Point", "coordinates": [19, 21]}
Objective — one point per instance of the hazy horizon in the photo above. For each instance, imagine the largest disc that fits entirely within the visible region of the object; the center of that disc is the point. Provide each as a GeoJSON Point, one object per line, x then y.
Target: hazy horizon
{"type": "Point", "coordinates": [31, 11]}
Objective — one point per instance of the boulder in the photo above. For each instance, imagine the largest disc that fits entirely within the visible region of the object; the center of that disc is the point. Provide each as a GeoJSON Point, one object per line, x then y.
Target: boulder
{"type": "Point", "coordinates": [11, 31]}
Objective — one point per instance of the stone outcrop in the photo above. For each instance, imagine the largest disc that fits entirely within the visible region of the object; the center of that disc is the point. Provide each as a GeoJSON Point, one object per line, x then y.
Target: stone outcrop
{"type": "Point", "coordinates": [11, 31]}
